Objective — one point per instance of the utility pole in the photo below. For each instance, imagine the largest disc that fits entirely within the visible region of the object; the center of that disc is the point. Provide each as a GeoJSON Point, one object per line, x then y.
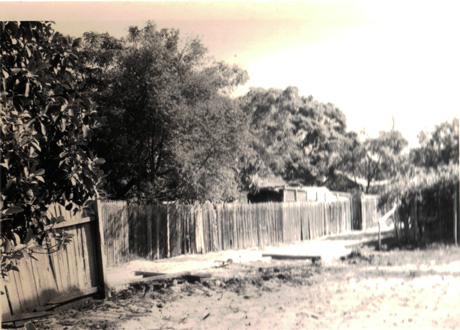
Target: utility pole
{"type": "Point", "coordinates": [393, 121]}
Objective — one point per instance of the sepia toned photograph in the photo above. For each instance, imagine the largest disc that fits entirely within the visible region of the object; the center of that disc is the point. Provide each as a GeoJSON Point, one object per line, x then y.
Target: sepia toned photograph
{"type": "Point", "coordinates": [229, 165]}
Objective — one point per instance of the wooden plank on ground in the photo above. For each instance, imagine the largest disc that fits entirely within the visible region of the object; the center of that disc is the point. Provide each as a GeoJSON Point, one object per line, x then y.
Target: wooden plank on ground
{"type": "Point", "coordinates": [291, 257]}
{"type": "Point", "coordinates": [147, 274]}
{"type": "Point", "coordinates": [24, 316]}
{"type": "Point", "coordinates": [171, 276]}
{"type": "Point", "coordinates": [72, 296]}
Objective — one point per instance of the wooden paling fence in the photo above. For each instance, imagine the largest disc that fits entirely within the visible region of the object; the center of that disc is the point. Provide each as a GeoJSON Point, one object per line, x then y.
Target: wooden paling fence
{"type": "Point", "coordinates": [369, 211]}
{"type": "Point", "coordinates": [115, 215]}
{"type": "Point", "coordinates": [133, 230]}
{"type": "Point", "coordinates": [120, 231]}
{"type": "Point", "coordinates": [44, 278]}
{"type": "Point", "coordinates": [355, 207]}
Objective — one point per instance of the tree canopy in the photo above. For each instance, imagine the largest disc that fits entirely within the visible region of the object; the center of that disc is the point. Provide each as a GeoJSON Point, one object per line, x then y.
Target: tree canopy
{"type": "Point", "coordinates": [45, 131]}
{"type": "Point", "coordinates": [382, 156]}
{"type": "Point", "coordinates": [433, 176]}
{"type": "Point", "coordinates": [171, 128]}
{"type": "Point", "coordinates": [439, 147]}
{"type": "Point", "coordinates": [294, 137]}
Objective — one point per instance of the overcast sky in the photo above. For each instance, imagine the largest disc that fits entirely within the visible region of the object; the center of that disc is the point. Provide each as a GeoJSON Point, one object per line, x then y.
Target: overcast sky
{"type": "Point", "coordinates": [372, 59]}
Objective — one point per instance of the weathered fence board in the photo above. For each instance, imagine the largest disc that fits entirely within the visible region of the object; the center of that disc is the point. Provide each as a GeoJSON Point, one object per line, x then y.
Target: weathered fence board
{"type": "Point", "coordinates": [369, 212]}
{"type": "Point", "coordinates": [114, 215]}
{"type": "Point", "coordinates": [45, 276]}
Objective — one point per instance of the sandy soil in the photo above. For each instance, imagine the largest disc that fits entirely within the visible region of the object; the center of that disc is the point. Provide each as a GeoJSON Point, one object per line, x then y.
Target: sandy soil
{"type": "Point", "coordinates": [329, 248]}
{"type": "Point", "coordinates": [396, 289]}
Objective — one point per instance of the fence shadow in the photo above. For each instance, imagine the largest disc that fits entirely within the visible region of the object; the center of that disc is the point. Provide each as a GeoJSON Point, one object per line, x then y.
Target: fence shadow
{"type": "Point", "coordinates": [361, 236]}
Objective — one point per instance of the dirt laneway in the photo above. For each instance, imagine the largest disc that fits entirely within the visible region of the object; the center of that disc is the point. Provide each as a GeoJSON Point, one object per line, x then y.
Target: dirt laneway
{"type": "Point", "coordinates": [330, 249]}
{"type": "Point", "coordinates": [348, 296]}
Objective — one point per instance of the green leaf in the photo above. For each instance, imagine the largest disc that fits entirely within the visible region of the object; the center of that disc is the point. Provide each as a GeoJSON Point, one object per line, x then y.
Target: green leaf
{"type": "Point", "coordinates": [32, 153]}
{"type": "Point", "coordinates": [43, 128]}
{"type": "Point", "coordinates": [10, 183]}
{"type": "Point", "coordinates": [17, 238]}
{"type": "Point", "coordinates": [30, 235]}
{"type": "Point", "coordinates": [8, 246]}
{"type": "Point", "coordinates": [36, 145]}
{"type": "Point", "coordinates": [40, 171]}
{"type": "Point", "coordinates": [40, 178]}
{"type": "Point", "coordinates": [14, 210]}
{"type": "Point", "coordinates": [99, 161]}
{"type": "Point", "coordinates": [76, 43]}
{"type": "Point", "coordinates": [30, 194]}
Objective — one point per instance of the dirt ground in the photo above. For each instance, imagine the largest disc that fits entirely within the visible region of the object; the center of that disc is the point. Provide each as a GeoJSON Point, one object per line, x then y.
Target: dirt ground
{"type": "Point", "coordinates": [400, 288]}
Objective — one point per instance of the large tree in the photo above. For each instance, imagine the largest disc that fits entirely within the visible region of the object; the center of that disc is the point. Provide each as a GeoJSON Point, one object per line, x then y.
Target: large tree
{"type": "Point", "coordinates": [170, 123]}
{"type": "Point", "coordinates": [45, 131]}
{"type": "Point", "coordinates": [439, 147]}
{"type": "Point", "coordinates": [294, 137]}
{"type": "Point", "coordinates": [382, 156]}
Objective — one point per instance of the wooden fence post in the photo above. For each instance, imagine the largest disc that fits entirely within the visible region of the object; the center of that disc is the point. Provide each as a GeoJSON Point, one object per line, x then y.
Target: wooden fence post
{"type": "Point", "coordinates": [149, 219]}
{"type": "Point", "coordinates": [455, 218]}
{"type": "Point", "coordinates": [168, 247]}
{"type": "Point", "coordinates": [415, 221]}
{"type": "Point", "coordinates": [101, 259]}
{"type": "Point", "coordinates": [157, 230]}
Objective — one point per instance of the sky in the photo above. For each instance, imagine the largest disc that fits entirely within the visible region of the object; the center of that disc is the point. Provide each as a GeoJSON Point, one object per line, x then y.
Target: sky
{"type": "Point", "coordinates": [375, 60]}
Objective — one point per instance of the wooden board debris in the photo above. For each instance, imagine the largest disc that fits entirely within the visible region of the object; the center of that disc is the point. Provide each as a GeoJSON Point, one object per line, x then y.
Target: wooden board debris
{"type": "Point", "coordinates": [292, 257]}
{"type": "Point", "coordinates": [223, 263]}
{"type": "Point", "coordinates": [171, 276]}
{"type": "Point", "coordinates": [24, 316]}
{"type": "Point", "coordinates": [69, 297]}
{"type": "Point", "coordinates": [147, 274]}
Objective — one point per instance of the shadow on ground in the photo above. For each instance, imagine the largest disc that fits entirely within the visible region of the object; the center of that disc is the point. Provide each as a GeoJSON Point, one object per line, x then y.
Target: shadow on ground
{"type": "Point", "coordinates": [389, 243]}
{"type": "Point", "coordinates": [366, 236]}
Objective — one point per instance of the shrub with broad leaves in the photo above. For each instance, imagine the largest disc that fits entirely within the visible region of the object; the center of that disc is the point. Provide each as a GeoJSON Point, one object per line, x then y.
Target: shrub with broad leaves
{"type": "Point", "coordinates": [45, 129]}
